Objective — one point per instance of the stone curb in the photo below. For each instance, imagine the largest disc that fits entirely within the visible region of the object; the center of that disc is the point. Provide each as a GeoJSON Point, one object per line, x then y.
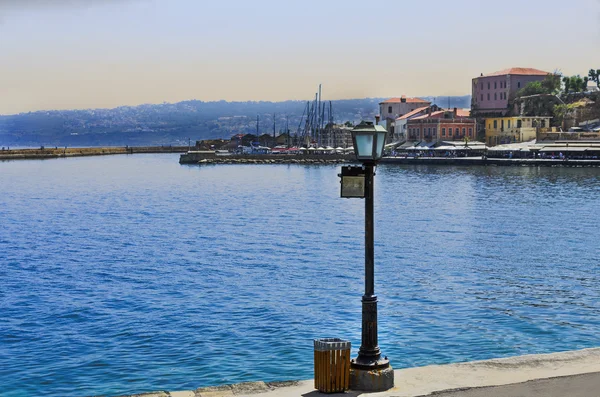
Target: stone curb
{"type": "Point", "coordinates": [237, 389]}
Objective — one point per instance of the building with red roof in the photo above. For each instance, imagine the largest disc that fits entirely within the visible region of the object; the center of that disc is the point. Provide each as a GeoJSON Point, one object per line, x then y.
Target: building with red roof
{"type": "Point", "coordinates": [441, 125]}
{"type": "Point", "coordinates": [491, 92]}
{"type": "Point", "coordinates": [393, 108]}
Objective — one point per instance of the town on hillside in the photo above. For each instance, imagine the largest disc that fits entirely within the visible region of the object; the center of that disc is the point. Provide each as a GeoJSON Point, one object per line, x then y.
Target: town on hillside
{"type": "Point", "coordinates": [509, 108]}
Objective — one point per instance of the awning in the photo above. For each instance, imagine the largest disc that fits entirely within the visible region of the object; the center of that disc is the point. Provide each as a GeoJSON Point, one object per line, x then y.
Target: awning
{"type": "Point", "coordinates": [445, 148]}
{"type": "Point", "coordinates": [406, 145]}
{"type": "Point", "coordinates": [563, 149]}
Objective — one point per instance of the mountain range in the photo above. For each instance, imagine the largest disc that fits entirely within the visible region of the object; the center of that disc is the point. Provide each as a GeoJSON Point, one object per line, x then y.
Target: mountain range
{"type": "Point", "coordinates": [175, 123]}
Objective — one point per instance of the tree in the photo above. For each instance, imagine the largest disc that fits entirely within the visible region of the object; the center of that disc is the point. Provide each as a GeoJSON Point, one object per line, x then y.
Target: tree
{"type": "Point", "coordinates": [551, 84]}
{"type": "Point", "coordinates": [594, 75]}
{"type": "Point", "coordinates": [541, 95]}
{"type": "Point", "coordinates": [575, 83]}
{"type": "Point", "coordinates": [567, 82]}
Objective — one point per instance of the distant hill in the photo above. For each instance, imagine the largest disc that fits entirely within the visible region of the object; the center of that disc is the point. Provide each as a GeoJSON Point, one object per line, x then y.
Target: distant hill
{"type": "Point", "coordinates": [173, 124]}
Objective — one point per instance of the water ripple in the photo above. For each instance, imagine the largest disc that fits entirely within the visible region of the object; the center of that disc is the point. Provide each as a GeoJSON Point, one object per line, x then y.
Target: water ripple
{"type": "Point", "coordinates": [132, 273]}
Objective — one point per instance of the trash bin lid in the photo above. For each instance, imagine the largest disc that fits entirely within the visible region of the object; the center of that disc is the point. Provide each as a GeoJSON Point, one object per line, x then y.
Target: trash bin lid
{"type": "Point", "coordinates": [326, 344]}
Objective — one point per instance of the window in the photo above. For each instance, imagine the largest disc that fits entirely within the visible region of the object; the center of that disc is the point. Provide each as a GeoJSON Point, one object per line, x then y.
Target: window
{"type": "Point", "coordinates": [450, 131]}
{"type": "Point", "coordinates": [502, 124]}
{"type": "Point", "coordinates": [519, 123]}
{"type": "Point", "coordinates": [457, 131]}
{"type": "Point", "coordinates": [389, 109]}
{"type": "Point", "coordinates": [519, 84]}
{"type": "Point", "coordinates": [495, 124]}
{"type": "Point", "coordinates": [488, 96]}
{"type": "Point", "coordinates": [435, 131]}
{"type": "Point", "coordinates": [495, 85]}
{"type": "Point", "coordinates": [543, 123]}
{"type": "Point", "coordinates": [495, 96]}
{"type": "Point", "coordinates": [508, 123]}
{"type": "Point", "coordinates": [443, 131]}
{"type": "Point", "coordinates": [470, 131]}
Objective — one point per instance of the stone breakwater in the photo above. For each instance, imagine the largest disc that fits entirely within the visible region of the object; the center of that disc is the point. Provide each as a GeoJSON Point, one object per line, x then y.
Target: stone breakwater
{"type": "Point", "coordinates": [56, 152]}
{"type": "Point", "coordinates": [209, 157]}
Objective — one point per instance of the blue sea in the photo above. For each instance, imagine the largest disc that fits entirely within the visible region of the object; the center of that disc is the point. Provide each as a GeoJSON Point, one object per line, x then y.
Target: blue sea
{"type": "Point", "coordinates": [125, 274]}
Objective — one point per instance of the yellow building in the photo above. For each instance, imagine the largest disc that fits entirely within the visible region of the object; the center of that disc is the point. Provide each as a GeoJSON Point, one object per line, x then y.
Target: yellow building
{"type": "Point", "coordinates": [501, 130]}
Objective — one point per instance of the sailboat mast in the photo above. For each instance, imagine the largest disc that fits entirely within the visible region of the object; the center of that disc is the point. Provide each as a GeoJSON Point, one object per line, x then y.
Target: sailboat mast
{"type": "Point", "coordinates": [319, 118]}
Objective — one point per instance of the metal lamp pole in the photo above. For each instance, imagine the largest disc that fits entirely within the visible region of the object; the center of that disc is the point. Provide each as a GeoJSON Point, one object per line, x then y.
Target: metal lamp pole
{"type": "Point", "coordinates": [369, 371]}
{"type": "Point", "coordinates": [369, 354]}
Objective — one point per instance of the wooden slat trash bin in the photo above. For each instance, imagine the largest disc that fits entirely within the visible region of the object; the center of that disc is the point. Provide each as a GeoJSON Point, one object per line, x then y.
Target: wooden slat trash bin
{"type": "Point", "coordinates": [332, 365]}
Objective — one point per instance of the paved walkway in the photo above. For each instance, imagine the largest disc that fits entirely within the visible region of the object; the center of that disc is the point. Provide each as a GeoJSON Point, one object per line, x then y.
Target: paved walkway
{"type": "Point", "coordinates": [567, 374]}
{"type": "Point", "coordinates": [587, 385]}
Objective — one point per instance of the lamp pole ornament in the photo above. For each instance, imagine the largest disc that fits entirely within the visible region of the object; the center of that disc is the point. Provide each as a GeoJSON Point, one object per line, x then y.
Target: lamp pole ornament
{"type": "Point", "coordinates": [369, 371]}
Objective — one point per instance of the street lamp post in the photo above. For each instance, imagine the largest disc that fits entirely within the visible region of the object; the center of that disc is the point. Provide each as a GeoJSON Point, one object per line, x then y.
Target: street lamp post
{"type": "Point", "coordinates": [369, 371]}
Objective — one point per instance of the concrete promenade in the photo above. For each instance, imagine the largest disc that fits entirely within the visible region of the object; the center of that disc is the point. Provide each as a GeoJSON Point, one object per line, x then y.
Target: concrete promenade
{"type": "Point", "coordinates": [490, 161]}
{"type": "Point", "coordinates": [566, 374]}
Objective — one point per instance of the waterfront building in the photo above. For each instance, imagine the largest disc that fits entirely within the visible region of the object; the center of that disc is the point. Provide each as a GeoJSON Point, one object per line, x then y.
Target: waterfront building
{"type": "Point", "coordinates": [337, 136]}
{"type": "Point", "coordinates": [492, 92]}
{"type": "Point", "coordinates": [503, 130]}
{"type": "Point", "coordinates": [399, 127]}
{"type": "Point", "coordinates": [284, 139]}
{"type": "Point", "coordinates": [393, 108]}
{"type": "Point", "coordinates": [266, 140]}
{"type": "Point", "coordinates": [441, 125]}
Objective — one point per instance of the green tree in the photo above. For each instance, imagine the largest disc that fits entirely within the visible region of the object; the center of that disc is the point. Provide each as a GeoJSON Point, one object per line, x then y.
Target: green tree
{"type": "Point", "coordinates": [567, 82]}
{"type": "Point", "coordinates": [575, 83]}
{"type": "Point", "coordinates": [594, 75]}
{"type": "Point", "coordinates": [551, 84]}
{"type": "Point", "coordinates": [543, 104]}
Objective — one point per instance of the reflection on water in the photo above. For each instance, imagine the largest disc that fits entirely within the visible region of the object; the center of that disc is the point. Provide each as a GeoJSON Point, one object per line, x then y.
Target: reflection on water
{"type": "Point", "coordinates": [132, 273]}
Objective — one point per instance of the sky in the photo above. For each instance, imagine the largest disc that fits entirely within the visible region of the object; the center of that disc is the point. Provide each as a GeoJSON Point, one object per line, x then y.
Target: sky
{"type": "Point", "coordinates": [67, 54]}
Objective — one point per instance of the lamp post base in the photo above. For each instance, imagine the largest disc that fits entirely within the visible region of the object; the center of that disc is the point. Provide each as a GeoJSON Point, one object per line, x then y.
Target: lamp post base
{"type": "Point", "coordinates": [374, 379]}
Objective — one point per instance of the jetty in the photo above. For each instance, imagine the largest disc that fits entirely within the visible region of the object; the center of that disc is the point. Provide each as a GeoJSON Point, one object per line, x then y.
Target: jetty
{"type": "Point", "coordinates": [212, 157]}
{"type": "Point", "coordinates": [59, 152]}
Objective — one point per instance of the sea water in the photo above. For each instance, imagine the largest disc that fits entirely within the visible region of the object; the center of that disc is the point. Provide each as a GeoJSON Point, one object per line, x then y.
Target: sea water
{"type": "Point", "coordinates": [131, 273]}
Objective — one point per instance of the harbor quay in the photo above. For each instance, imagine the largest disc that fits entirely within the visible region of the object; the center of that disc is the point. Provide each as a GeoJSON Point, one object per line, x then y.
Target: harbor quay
{"type": "Point", "coordinates": [571, 373]}
{"type": "Point", "coordinates": [60, 152]}
{"type": "Point", "coordinates": [209, 157]}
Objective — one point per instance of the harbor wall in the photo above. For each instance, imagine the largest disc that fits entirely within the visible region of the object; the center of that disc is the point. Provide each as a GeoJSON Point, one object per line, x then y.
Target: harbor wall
{"type": "Point", "coordinates": [202, 157]}
{"type": "Point", "coordinates": [48, 153]}
{"type": "Point", "coordinates": [489, 161]}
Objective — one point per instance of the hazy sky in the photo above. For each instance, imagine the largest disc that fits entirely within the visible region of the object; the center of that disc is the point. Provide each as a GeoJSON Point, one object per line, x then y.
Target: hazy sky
{"type": "Point", "coordinates": [60, 54]}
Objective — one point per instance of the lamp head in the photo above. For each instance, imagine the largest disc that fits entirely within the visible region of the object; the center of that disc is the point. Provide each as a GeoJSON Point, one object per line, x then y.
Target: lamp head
{"type": "Point", "coordinates": [369, 141]}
